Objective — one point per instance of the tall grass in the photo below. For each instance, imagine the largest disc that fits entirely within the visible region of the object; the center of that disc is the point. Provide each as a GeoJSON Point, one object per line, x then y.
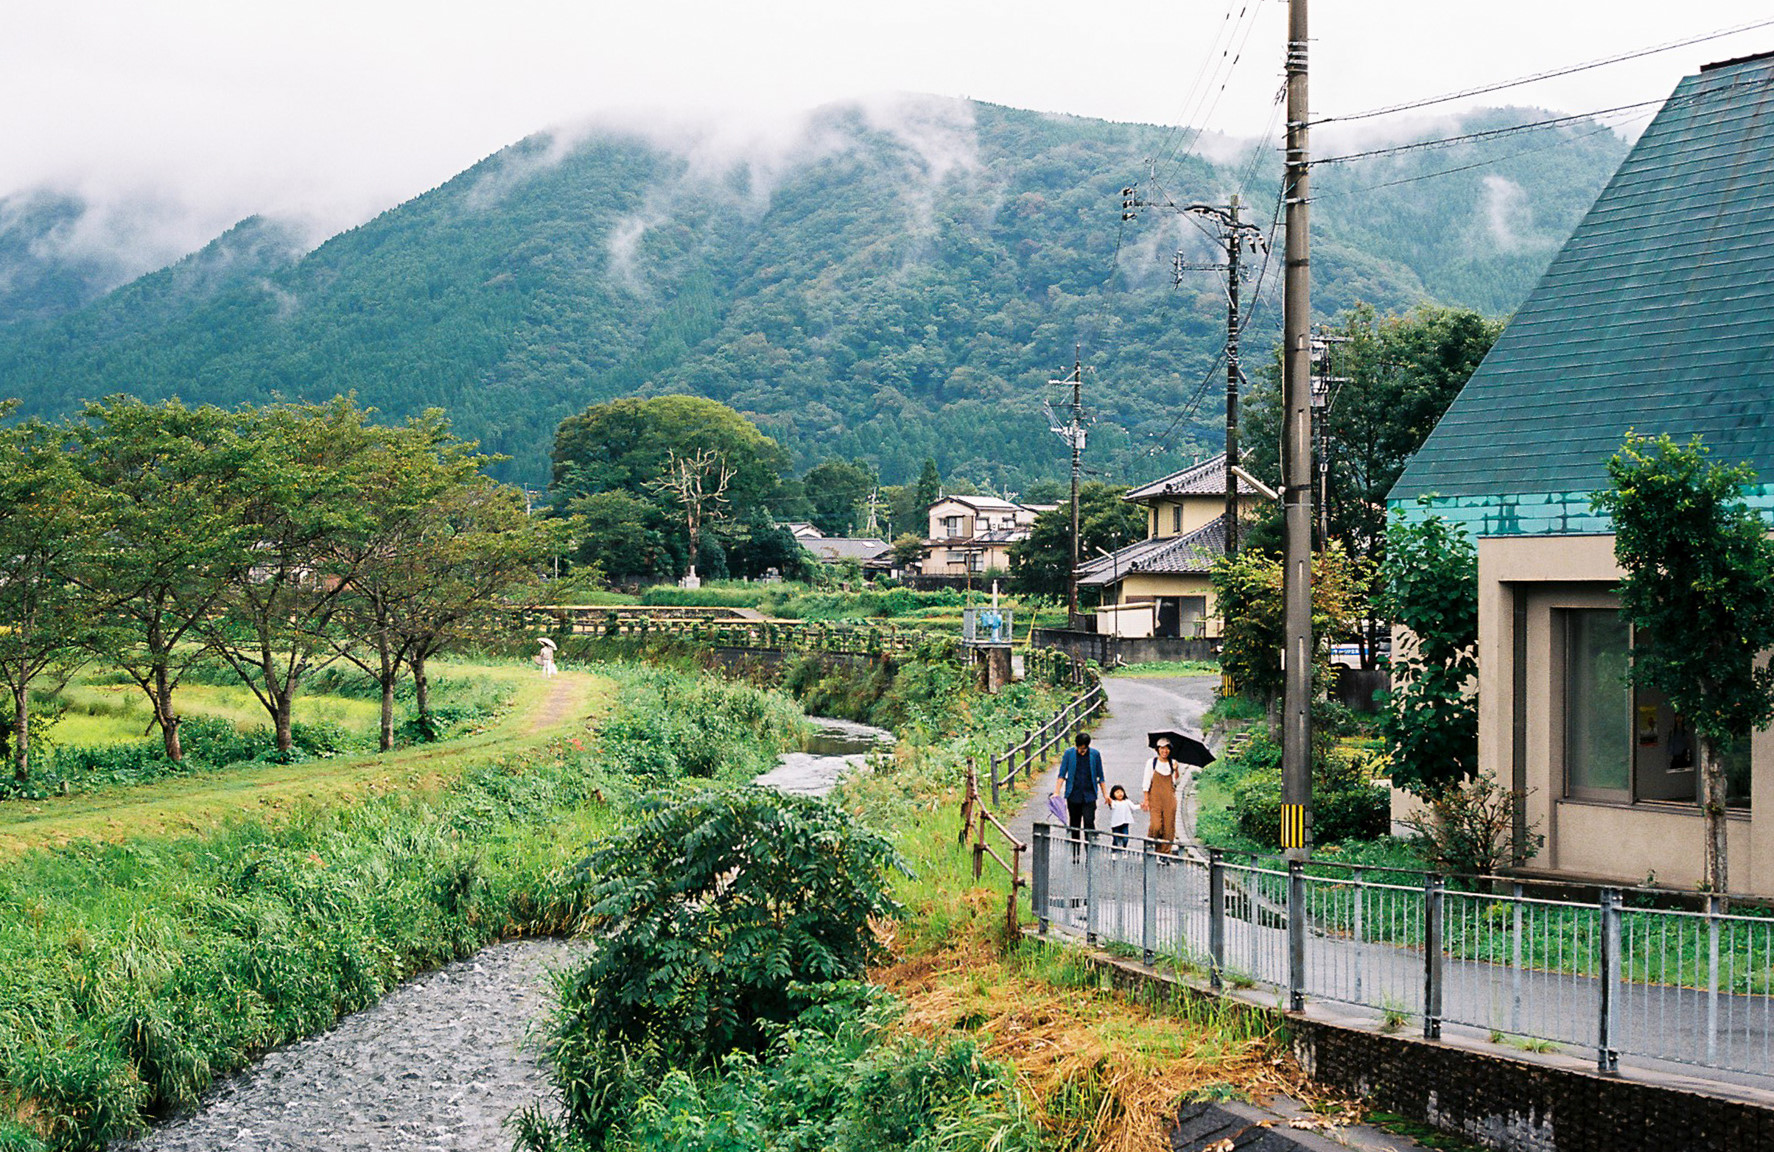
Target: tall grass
{"type": "Point", "coordinates": [137, 973]}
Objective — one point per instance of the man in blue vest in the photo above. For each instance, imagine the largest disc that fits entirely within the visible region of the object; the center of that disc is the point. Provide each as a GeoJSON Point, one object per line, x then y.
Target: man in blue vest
{"type": "Point", "coordinates": [1081, 782]}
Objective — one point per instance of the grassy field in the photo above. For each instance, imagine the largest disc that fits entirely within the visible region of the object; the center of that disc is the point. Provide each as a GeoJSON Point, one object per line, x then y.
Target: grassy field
{"type": "Point", "coordinates": [539, 709]}
{"type": "Point", "coordinates": [101, 714]}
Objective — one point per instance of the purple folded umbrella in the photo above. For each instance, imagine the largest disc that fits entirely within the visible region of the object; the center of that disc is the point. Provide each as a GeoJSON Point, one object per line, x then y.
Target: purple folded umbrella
{"type": "Point", "coordinates": [1058, 807]}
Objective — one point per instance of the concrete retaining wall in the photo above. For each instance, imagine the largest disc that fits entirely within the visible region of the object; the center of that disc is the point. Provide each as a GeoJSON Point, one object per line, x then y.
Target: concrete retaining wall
{"type": "Point", "coordinates": [1109, 650]}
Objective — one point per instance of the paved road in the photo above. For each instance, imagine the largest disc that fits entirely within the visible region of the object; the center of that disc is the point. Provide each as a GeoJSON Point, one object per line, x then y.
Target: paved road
{"type": "Point", "coordinates": [1136, 706]}
{"type": "Point", "coordinates": [1657, 1022]}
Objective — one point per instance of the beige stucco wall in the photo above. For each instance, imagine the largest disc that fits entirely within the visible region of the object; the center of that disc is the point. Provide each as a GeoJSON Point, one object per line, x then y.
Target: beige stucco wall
{"type": "Point", "coordinates": [936, 560]}
{"type": "Point", "coordinates": [1138, 586]}
{"type": "Point", "coordinates": [1615, 841]}
{"type": "Point", "coordinates": [1197, 512]}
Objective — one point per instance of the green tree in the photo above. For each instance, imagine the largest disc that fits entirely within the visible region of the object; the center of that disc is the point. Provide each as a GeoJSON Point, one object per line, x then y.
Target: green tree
{"type": "Point", "coordinates": [1699, 592]}
{"type": "Point", "coordinates": [1429, 585]}
{"type": "Point", "coordinates": [717, 915]}
{"type": "Point", "coordinates": [1399, 374]}
{"type": "Point", "coordinates": [173, 535]}
{"type": "Point", "coordinates": [627, 445]}
{"type": "Point", "coordinates": [836, 489]}
{"type": "Point", "coordinates": [1248, 601]}
{"type": "Point", "coordinates": [1040, 565]}
{"type": "Point", "coordinates": [908, 550]}
{"type": "Point", "coordinates": [929, 486]}
{"type": "Point", "coordinates": [623, 534]}
{"type": "Point", "coordinates": [279, 619]}
{"type": "Point", "coordinates": [763, 544]}
{"type": "Point", "coordinates": [48, 529]}
{"type": "Point", "coordinates": [440, 544]}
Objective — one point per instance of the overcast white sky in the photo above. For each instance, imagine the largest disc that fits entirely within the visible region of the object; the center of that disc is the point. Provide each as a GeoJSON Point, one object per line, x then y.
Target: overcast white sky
{"type": "Point", "coordinates": [340, 108]}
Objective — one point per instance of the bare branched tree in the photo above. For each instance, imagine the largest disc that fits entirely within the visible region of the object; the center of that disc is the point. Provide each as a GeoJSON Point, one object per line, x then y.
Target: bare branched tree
{"type": "Point", "coordinates": [698, 481]}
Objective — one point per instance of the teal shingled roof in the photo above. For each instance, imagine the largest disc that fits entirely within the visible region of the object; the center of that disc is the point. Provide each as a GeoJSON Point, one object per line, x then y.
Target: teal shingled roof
{"type": "Point", "coordinates": [1658, 314]}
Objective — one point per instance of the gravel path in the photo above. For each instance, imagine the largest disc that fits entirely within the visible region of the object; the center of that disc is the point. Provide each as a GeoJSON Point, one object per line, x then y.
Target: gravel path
{"type": "Point", "coordinates": [438, 1064]}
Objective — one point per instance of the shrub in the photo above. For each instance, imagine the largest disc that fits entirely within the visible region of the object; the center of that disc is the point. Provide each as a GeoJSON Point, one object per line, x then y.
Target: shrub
{"type": "Point", "coordinates": [1468, 828]}
{"type": "Point", "coordinates": [1346, 803]}
{"type": "Point", "coordinates": [719, 917]}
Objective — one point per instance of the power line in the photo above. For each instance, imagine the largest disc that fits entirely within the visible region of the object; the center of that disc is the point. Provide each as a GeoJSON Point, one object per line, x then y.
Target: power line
{"type": "Point", "coordinates": [1222, 69]}
{"type": "Point", "coordinates": [1487, 134]}
{"type": "Point", "coordinates": [1548, 75]}
{"type": "Point", "coordinates": [1491, 162]}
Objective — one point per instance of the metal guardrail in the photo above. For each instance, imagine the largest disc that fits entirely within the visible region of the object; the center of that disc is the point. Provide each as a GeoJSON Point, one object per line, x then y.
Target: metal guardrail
{"type": "Point", "coordinates": [1689, 987]}
{"type": "Point", "coordinates": [1038, 743]}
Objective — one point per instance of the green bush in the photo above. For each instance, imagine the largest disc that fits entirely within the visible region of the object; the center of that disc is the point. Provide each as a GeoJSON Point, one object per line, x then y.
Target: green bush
{"type": "Point", "coordinates": [1346, 803]}
{"type": "Point", "coordinates": [832, 1079]}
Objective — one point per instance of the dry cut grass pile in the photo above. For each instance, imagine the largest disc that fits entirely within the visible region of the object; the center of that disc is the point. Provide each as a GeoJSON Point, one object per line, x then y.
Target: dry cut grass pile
{"type": "Point", "coordinates": [1103, 1069]}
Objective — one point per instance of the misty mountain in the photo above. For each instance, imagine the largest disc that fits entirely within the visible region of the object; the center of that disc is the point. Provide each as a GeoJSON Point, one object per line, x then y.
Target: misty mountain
{"type": "Point", "coordinates": [900, 280]}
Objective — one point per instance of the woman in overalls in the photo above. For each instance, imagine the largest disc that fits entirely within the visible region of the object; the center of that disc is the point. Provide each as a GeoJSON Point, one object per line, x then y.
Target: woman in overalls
{"type": "Point", "coordinates": [1160, 796]}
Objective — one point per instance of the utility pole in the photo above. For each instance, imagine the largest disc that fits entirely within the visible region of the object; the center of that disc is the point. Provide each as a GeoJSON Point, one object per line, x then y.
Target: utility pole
{"type": "Point", "coordinates": [1296, 460]}
{"type": "Point", "coordinates": [1322, 398]}
{"type": "Point", "coordinates": [1072, 432]}
{"type": "Point", "coordinates": [1233, 235]}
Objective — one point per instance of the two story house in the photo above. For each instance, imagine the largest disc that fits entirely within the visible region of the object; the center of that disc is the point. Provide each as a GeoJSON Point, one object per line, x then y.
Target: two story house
{"type": "Point", "coordinates": [1159, 586]}
{"type": "Point", "coordinates": [972, 535]}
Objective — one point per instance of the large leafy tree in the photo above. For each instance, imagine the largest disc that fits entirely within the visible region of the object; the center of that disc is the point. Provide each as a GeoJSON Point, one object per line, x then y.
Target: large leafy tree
{"type": "Point", "coordinates": [1248, 601]}
{"type": "Point", "coordinates": [1040, 564]}
{"type": "Point", "coordinates": [280, 619]}
{"type": "Point", "coordinates": [1429, 585]}
{"type": "Point", "coordinates": [173, 535]}
{"type": "Point", "coordinates": [1699, 591]}
{"type": "Point", "coordinates": [48, 529]}
{"type": "Point", "coordinates": [626, 536]}
{"type": "Point", "coordinates": [642, 448]}
{"type": "Point", "coordinates": [627, 445]}
{"type": "Point", "coordinates": [836, 489]}
{"type": "Point", "coordinates": [441, 543]}
{"type": "Point", "coordinates": [1393, 377]}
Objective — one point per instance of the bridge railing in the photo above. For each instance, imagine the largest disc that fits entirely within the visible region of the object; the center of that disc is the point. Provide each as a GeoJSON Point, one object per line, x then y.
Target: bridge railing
{"type": "Point", "coordinates": [774, 635]}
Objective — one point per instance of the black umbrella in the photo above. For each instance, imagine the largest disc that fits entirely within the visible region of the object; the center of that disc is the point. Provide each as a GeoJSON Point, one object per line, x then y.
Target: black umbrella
{"type": "Point", "coordinates": [1183, 749]}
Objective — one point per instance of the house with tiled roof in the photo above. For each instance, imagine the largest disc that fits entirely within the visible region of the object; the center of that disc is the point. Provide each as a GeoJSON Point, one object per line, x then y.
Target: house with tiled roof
{"type": "Point", "coordinates": [1159, 586]}
{"type": "Point", "coordinates": [1656, 317]}
{"type": "Point", "coordinates": [972, 535]}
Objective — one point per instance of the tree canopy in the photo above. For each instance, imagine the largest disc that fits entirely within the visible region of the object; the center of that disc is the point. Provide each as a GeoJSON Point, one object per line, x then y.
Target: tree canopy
{"type": "Point", "coordinates": [1699, 592]}
{"type": "Point", "coordinates": [1041, 564]}
{"type": "Point", "coordinates": [1429, 586]}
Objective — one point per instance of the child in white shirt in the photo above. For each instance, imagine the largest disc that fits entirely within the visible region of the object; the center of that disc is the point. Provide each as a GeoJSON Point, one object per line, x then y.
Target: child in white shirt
{"type": "Point", "coordinates": [1120, 815]}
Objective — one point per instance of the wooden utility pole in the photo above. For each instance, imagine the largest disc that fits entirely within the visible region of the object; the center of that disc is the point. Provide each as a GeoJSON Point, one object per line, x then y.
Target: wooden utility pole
{"type": "Point", "coordinates": [1072, 431]}
{"type": "Point", "coordinates": [1296, 462]}
{"type": "Point", "coordinates": [1233, 236]}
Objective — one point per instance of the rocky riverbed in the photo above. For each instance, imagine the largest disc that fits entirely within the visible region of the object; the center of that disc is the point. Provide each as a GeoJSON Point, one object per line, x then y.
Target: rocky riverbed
{"type": "Point", "coordinates": [437, 1065]}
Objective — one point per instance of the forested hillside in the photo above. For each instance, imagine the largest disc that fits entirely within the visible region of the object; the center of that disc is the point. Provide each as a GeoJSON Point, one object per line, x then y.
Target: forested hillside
{"type": "Point", "coordinates": [897, 284]}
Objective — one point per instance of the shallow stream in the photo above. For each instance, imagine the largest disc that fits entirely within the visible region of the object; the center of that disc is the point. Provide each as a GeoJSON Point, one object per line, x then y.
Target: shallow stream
{"type": "Point", "coordinates": [440, 1062]}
